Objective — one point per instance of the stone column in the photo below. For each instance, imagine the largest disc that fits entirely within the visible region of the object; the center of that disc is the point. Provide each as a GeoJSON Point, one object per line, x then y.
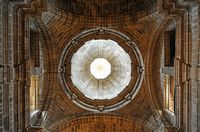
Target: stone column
{"type": "Point", "coordinates": [6, 68]}
{"type": "Point", "coordinates": [194, 72]}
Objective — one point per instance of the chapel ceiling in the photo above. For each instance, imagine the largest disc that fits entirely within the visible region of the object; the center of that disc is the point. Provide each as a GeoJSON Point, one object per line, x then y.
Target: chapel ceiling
{"type": "Point", "coordinates": [63, 107]}
{"type": "Point", "coordinates": [63, 29]}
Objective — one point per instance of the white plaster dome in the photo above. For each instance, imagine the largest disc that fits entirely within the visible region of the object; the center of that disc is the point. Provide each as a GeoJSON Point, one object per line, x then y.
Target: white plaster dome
{"type": "Point", "coordinates": [101, 69]}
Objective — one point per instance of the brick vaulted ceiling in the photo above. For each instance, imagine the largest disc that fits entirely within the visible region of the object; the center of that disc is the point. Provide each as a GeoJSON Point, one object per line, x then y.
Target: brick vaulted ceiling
{"type": "Point", "coordinates": [62, 27]}
{"type": "Point", "coordinates": [65, 19]}
{"type": "Point", "coordinates": [103, 8]}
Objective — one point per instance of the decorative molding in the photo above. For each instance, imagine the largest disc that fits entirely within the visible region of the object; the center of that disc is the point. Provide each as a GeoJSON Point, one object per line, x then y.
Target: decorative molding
{"type": "Point", "coordinates": [130, 95]}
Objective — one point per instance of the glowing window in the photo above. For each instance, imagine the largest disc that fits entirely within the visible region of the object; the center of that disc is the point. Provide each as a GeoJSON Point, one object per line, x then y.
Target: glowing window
{"type": "Point", "coordinates": [100, 68]}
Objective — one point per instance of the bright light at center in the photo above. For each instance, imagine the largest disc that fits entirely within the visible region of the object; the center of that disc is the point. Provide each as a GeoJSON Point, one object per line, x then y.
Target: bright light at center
{"type": "Point", "coordinates": [100, 68]}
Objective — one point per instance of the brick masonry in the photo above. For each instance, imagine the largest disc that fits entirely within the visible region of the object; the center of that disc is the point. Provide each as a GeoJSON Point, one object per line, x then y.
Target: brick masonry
{"type": "Point", "coordinates": [57, 28]}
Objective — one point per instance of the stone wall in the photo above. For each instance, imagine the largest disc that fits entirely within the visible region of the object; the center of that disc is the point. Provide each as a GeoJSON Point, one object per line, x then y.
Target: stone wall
{"type": "Point", "coordinates": [194, 73]}
{"type": "Point", "coordinates": [6, 61]}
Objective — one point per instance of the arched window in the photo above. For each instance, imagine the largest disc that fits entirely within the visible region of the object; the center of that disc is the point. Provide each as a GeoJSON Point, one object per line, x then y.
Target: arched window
{"type": "Point", "coordinates": [168, 70]}
{"type": "Point", "coordinates": [35, 77]}
{"type": "Point", "coordinates": [36, 72]}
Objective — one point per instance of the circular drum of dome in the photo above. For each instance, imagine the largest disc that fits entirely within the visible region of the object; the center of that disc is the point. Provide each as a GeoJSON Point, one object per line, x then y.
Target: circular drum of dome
{"type": "Point", "coordinates": [101, 70]}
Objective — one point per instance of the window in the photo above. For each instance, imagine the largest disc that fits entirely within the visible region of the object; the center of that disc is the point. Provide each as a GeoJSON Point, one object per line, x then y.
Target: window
{"type": "Point", "coordinates": [34, 92]}
{"type": "Point", "coordinates": [169, 46]}
{"type": "Point", "coordinates": [36, 70]}
{"type": "Point", "coordinates": [34, 48]}
{"type": "Point", "coordinates": [170, 37]}
{"type": "Point", "coordinates": [169, 93]}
